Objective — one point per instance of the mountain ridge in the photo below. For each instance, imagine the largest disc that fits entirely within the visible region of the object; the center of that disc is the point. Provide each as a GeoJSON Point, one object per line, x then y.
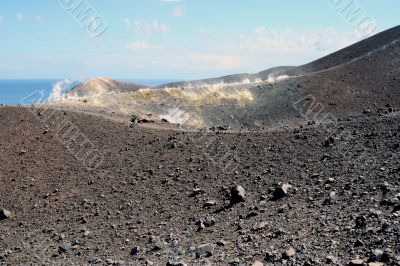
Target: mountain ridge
{"type": "Point", "coordinates": [340, 57]}
{"type": "Point", "coordinates": [361, 77]}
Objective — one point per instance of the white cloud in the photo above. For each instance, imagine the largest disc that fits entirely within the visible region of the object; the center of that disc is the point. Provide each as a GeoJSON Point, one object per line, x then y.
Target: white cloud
{"type": "Point", "coordinates": [19, 16]}
{"type": "Point", "coordinates": [206, 32]}
{"type": "Point", "coordinates": [157, 62]}
{"type": "Point", "coordinates": [136, 46]}
{"type": "Point", "coordinates": [126, 22]}
{"type": "Point", "coordinates": [222, 54]}
{"type": "Point", "coordinates": [259, 30]}
{"type": "Point", "coordinates": [146, 27]}
{"type": "Point", "coordinates": [39, 19]}
{"type": "Point", "coordinates": [261, 48]}
{"type": "Point", "coordinates": [216, 61]}
{"type": "Point", "coordinates": [322, 39]}
{"type": "Point", "coordinates": [178, 12]}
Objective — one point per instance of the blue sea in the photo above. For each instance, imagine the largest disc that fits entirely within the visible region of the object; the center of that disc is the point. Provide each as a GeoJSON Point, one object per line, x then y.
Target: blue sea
{"type": "Point", "coordinates": [24, 91]}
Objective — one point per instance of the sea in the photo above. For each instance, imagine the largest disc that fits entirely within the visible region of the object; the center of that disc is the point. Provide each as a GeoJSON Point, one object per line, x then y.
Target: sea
{"type": "Point", "coordinates": [25, 91]}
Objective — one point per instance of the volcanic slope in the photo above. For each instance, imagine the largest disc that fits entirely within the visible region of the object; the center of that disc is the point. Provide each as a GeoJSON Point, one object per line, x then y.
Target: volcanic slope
{"type": "Point", "coordinates": [100, 86]}
{"type": "Point", "coordinates": [162, 197]}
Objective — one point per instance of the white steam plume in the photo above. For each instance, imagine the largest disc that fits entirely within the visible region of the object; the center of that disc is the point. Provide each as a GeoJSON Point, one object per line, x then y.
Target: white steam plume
{"type": "Point", "coordinates": [57, 91]}
{"type": "Point", "coordinates": [272, 78]}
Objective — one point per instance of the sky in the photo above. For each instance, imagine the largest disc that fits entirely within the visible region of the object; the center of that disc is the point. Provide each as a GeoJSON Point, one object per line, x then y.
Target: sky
{"type": "Point", "coordinates": [178, 39]}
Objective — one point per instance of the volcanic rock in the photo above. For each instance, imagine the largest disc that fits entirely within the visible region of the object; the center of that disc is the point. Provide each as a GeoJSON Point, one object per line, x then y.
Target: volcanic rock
{"type": "Point", "coordinates": [281, 191]}
{"type": "Point", "coordinates": [237, 194]}
{"type": "Point", "coordinates": [5, 214]}
{"type": "Point", "coordinates": [289, 253]}
{"type": "Point", "coordinates": [205, 249]}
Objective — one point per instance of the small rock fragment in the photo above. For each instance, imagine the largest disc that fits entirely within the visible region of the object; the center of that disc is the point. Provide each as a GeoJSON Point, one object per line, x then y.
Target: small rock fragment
{"type": "Point", "coordinates": [209, 222]}
{"type": "Point", "coordinates": [237, 194]}
{"type": "Point", "coordinates": [134, 251]}
{"type": "Point", "coordinates": [376, 255]}
{"type": "Point", "coordinates": [65, 248]}
{"type": "Point", "coordinates": [156, 243]}
{"type": "Point", "coordinates": [210, 203]}
{"type": "Point", "coordinates": [195, 192]}
{"type": "Point", "coordinates": [289, 253]}
{"type": "Point", "coordinates": [253, 213]}
{"type": "Point", "coordinates": [203, 223]}
{"type": "Point", "coordinates": [359, 243]}
{"type": "Point", "coordinates": [205, 249]}
{"type": "Point", "coordinates": [331, 180]}
{"type": "Point", "coordinates": [281, 191]}
{"type": "Point", "coordinates": [356, 262]}
{"type": "Point", "coordinates": [270, 256]}
{"type": "Point", "coordinates": [260, 226]}
{"type": "Point", "coordinates": [331, 259]}
{"type": "Point", "coordinates": [173, 263]}
{"type": "Point", "coordinates": [221, 243]}
{"type": "Point", "coordinates": [376, 264]}
{"type": "Point", "coordinates": [361, 221]}
{"type": "Point", "coordinates": [375, 213]}
{"type": "Point", "coordinates": [329, 142]}
{"type": "Point", "coordinates": [367, 111]}
{"type": "Point", "coordinates": [4, 214]}
{"type": "Point", "coordinates": [283, 208]}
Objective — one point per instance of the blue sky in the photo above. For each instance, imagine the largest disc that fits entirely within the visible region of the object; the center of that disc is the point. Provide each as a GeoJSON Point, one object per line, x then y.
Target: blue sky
{"type": "Point", "coordinates": [181, 39]}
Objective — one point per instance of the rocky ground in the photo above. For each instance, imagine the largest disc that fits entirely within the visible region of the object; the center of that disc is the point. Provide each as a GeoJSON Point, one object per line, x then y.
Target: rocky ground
{"type": "Point", "coordinates": [310, 195]}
